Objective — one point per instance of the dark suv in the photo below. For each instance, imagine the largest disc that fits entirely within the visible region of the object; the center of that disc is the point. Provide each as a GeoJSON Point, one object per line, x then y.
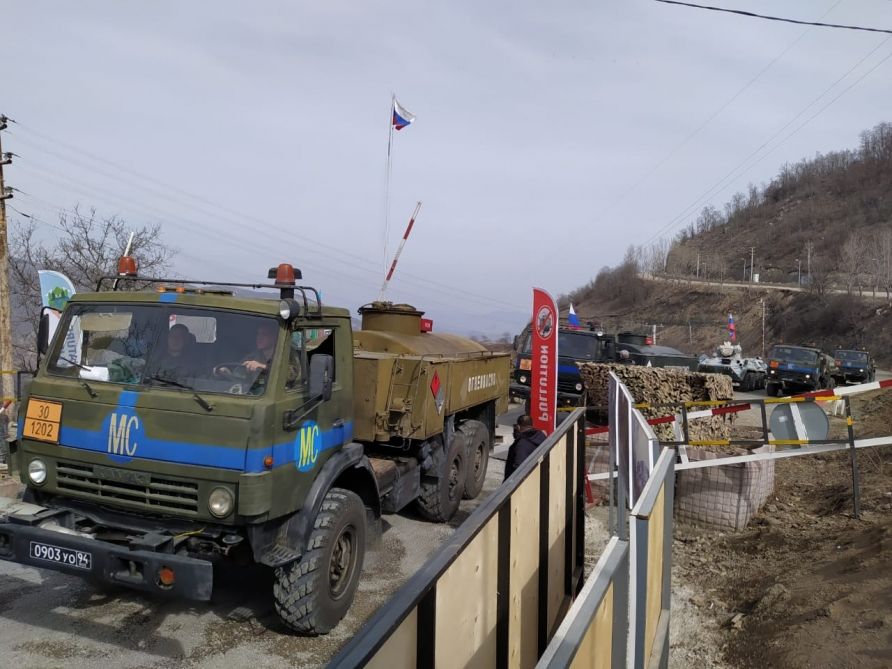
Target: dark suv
{"type": "Point", "coordinates": [799, 368]}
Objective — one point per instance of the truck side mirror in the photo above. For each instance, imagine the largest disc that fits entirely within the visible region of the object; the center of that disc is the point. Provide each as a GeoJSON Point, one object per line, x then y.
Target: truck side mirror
{"type": "Point", "coordinates": [321, 376]}
{"type": "Point", "coordinates": [43, 333]}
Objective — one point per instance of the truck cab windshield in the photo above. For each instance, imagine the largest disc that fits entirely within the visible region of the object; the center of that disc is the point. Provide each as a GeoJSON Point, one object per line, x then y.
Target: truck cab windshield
{"type": "Point", "coordinates": [578, 346]}
{"type": "Point", "coordinates": [793, 354]}
{"type": "Point", "coordinates": [572, 345]}
{"type": "Point", "coordinates": [852, 356]}
{"type": "Point", "coordinates": [166, 346]}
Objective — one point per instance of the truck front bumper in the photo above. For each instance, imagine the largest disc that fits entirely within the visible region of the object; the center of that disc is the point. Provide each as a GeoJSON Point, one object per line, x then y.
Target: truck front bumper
{"type": "Point", "coordinates": [41, 540]}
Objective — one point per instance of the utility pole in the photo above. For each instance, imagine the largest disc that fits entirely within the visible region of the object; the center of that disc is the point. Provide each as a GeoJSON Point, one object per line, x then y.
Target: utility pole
{"type": "Point", "coordinates": [752, 261]}
{"type": "Point", "coordinates": [698, 264]}
{"type": "Point", "coordinates": [763, 326]}
{"type": "Point", "coordinates": [808, 261]}
{"type": "Point", "coordinates": [6, 378]}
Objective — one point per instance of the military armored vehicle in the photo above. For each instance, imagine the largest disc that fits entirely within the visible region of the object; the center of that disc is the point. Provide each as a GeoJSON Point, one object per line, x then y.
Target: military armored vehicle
{"type": "Point", "coordinates": [797, 369]}
{"type": "Point", "coordinates": [854, 366]}
{"type": "Point", "coordinates": [746, 373]}
{"type": "Point", "coordinates": [171, 428]}
{"type": "Point", "coordinates": [638, 349]}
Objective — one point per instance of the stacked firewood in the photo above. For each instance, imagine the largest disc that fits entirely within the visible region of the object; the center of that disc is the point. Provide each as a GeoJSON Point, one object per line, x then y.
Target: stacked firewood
{"type": "Point", "coordinates": [656, 386]}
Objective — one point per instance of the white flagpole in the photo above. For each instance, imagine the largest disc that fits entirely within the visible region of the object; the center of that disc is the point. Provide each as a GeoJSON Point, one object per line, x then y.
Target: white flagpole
{"type": "Point", "coordinates": [399, 250]}
{"type": "Point", "coordinates": [387, 181]}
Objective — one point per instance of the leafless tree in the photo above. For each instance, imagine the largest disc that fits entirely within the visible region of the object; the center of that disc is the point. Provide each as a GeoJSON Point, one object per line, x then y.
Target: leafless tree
{"type": "Point", "coordinates": [879, 260]}
{"type": "Point", "coordinates": [85, 247]}
{"type": "Point", "coordinates": [821, 281]}
{"type": "Point", "coordinates": [853, 260]}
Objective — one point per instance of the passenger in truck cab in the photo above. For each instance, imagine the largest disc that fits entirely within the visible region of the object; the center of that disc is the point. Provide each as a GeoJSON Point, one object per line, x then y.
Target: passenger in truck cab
{"type": "Point", "coordinates": [177, 360]}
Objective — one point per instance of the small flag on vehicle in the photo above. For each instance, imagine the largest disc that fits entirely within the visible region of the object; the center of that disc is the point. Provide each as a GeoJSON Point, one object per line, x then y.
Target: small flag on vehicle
{"type": "Point", "coordinates": [732, 330]}
{"type": "Point", "coordinates": [401, 116]}
{"type": "Point", "coordinates": [572, 318]}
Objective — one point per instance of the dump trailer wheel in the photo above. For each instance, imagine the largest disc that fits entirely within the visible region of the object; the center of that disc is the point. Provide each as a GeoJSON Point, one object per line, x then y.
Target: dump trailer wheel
{"type": "Point", "coordinates": [313, 594]}
{"type": "Point", "coordinates": [477, 436]}
{"type": "Point", "coordinates": [441, 495]}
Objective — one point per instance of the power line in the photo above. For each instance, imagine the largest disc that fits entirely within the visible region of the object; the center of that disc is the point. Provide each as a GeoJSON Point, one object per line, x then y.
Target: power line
{"type": "Point", "coordinates": [240, 217]}
{"type": "Point", "coordinates": [732, 174]}
{"type": "Point", "coordinates": [76, 186]}
{"type": "Point", "coordinates": [435, 298]}
{"type": "Point", "coordinates": [775, 18]}
{"type": "Point", "coordinates": [709, 119]}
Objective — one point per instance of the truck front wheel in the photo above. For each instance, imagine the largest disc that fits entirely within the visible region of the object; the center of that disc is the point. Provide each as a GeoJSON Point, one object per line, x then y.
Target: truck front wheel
{"type": "Point", "coordinates": [477, 436]}
{"type": "Point", "coordinates": [314, 593]}
{"type": "Point", "coordinates": [441, 495]}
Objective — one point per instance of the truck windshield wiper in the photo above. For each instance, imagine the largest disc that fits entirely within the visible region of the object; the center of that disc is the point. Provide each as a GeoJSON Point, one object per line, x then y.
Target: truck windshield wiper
{"type": "Point", "coordinates": [207, 406]}
{"type": "Point", "coordinates": [76, 364]}
{"type": "Point", "coordinates": [169, 382]}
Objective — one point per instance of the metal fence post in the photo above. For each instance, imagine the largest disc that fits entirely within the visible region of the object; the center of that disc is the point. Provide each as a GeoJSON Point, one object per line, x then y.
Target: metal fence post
{"type": "Point", "coordinates": [856, 483]}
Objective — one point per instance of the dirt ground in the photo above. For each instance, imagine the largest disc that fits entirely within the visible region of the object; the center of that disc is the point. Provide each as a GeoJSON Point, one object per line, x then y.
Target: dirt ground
{"type": "Point", "coordinates": [806, 584]}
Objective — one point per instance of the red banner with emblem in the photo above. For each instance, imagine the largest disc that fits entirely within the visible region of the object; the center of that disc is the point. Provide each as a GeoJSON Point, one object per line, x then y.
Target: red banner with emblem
{"type": "Point", "coordinates": [544, 362]}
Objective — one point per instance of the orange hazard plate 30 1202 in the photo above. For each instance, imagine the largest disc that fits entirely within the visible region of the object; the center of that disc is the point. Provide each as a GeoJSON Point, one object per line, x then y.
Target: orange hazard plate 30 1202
{"type": "Point", "coordinates": [42, 420]}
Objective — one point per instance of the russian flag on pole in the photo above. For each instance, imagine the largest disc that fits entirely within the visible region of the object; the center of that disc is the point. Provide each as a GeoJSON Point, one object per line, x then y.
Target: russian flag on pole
{"type": "Point", "coordinates": [572, 320]}
{"type": "Point", "coordinates": [732, 329]}
{"type": "Point", "coordinates": [401, 116]}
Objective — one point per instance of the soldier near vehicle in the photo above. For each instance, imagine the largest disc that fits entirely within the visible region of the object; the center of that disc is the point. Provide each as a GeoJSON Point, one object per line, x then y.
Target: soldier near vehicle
{"type": "Point", "coordinates": [278, 438]}
{"type": "Point", "coordinates": [526, 440]}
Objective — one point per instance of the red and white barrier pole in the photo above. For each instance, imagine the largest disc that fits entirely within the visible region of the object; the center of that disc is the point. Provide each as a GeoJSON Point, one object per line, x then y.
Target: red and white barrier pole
{"type": "Point", "coordinates": [399, 250]}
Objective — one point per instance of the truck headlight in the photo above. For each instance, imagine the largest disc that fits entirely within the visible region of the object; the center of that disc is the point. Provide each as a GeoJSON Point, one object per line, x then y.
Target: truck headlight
{"type": "Point", "coordinates": [37, 471]}
{"type": "Point", "coordinates": [220, 502]}
{"type": "Point", "coordinates": [579, 387]}
{"type": "Point", "coordinates": [522, 378]}
{"type": "Point", "coordinates": [808, 376]}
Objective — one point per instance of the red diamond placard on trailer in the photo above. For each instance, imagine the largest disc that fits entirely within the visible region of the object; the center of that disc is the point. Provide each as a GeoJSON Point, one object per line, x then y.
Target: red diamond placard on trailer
{"type": "Point", "coordinates": [437, 391]}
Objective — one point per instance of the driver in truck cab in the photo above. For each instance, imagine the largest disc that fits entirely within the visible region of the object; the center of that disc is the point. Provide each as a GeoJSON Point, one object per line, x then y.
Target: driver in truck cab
{"type": "Point", "coordinates": [259, 359]}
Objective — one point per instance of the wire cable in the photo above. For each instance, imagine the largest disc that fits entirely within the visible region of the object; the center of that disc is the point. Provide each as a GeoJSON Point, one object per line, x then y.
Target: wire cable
{"type": "Point", "coordinates": [753, 15]}
{"type": "Point", "coordinates": [707, 121]}
{"type": "Point", "coordinates": [726, 180]}
{"type": "Point", "coordinates": [240, 217]}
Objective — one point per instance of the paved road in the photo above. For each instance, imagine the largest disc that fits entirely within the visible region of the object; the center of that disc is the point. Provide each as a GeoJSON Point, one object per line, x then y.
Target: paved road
{"type": "Point", "coordinates": [786, 287]}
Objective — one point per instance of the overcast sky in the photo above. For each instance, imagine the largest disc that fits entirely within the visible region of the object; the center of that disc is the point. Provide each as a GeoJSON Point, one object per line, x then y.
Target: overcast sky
{"type": "Point", "coordinates": [549, 136]}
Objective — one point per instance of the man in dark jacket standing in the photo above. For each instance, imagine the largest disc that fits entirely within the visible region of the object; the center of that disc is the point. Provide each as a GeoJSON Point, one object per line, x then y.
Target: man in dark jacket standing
{"type": "Point", "coordinates": [526, 440]}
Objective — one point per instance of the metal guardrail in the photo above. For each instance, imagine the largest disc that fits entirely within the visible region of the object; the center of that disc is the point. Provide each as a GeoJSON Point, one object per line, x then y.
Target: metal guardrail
{"type": "Point", "coordinates": [595, 631]}
{"type": "Point", "coordinates": [651, 566]}
{"type": "Point", "coordinates": [496, 591]}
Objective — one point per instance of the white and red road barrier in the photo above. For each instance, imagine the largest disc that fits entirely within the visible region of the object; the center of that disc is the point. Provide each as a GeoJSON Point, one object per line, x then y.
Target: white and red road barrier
{"type": "Point", "coordinates": [726, 406]}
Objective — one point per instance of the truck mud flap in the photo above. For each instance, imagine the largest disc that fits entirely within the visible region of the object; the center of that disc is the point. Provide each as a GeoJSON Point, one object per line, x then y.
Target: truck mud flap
{"type": "Point", "coordinates": [160, 573]}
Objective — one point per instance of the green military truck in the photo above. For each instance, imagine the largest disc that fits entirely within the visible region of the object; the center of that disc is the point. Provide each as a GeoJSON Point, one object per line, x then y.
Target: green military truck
{"type": "Point", "coordinates": [176, 426]}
